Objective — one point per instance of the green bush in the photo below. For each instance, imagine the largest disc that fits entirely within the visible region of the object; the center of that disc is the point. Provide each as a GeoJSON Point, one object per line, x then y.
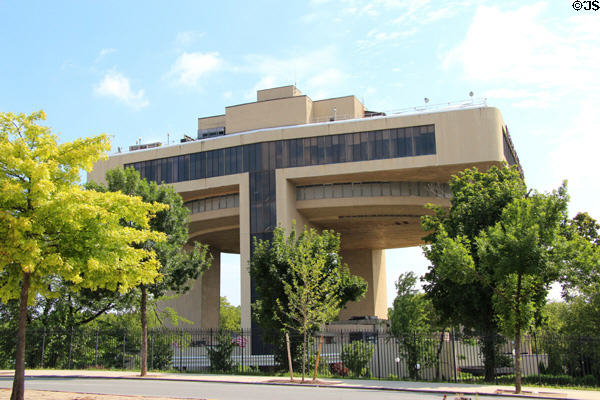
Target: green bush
{"type": "Point", "coordinates": [220, 354]}
{"type": "Point", "coordinates": [356, 357]}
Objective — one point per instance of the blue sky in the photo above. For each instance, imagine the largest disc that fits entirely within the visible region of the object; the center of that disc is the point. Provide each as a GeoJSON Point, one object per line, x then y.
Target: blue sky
{"type": "Point", "coordinates": [146, 68]}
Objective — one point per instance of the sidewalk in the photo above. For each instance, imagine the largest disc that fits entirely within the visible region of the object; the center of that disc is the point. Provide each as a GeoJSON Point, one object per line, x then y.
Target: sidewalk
{"type": "Point", "coordinates": [450, 389]}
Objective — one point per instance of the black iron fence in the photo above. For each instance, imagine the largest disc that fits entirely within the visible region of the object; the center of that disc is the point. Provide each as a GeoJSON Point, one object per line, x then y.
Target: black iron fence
{"type": "Point", "coordinates": [361, 352]}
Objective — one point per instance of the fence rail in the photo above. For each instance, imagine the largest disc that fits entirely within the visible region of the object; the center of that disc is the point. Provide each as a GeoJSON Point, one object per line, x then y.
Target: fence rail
{"type": "Point", "coordinates": [444, 356]}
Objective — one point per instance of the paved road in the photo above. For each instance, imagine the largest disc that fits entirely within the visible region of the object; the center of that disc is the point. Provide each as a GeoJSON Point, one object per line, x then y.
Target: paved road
{"type": "Point", "coordinates": [221, 391]}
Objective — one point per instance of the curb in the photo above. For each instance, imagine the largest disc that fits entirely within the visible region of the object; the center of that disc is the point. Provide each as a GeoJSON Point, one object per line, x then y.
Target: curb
{"type": "Point", "coordinates": [340, 386]}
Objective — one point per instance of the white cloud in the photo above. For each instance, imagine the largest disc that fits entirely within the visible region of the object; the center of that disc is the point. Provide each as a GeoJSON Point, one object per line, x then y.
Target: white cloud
{"type": "Point", "coordinates": [574, 156]}
{"type": "Point", "coordinates": [521, 49]}
{"type": "Point", "coordinates": [103, 53]}
{"type": "Point", "coordinates": [190, 67]}
{"type": "Point", "coordinates": [117, 86]}
{"type": "Point", "coordinates": [187, 38]}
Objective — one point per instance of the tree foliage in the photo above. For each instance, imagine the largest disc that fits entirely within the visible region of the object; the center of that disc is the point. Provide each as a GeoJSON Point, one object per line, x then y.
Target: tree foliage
{"type": "Point", "coordinates": [413, 323]}
{"type": "Point", "coordinates": [178, 267]}
{"type": "Point", "coordinates": [478, 199]}
{"type": "Point", "coordinates": [516, 259]}
{"type": "Point", "coordinates": [230, 316]}
{"type": "Point", "coordinates": [301, 282]}
{"type": "Point", "coordinates": [52, 229]}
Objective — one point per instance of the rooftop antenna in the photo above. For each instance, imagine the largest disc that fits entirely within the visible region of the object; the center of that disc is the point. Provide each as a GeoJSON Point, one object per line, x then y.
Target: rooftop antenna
{"type": "Point", "coordinates": [168, 138]}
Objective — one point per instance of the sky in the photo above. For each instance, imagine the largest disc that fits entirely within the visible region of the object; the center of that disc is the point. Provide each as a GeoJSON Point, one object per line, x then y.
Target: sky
{"type": "Point", "coordinates": [149, 69]}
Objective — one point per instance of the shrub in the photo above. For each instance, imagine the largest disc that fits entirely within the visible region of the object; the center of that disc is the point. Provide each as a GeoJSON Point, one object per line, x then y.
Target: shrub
{"type": "Point", "coordinates": [338, 369]}
{"type": "Point", "coordinates": [356, 357]}
{"type": "Point", "coordinates": [220, 354]}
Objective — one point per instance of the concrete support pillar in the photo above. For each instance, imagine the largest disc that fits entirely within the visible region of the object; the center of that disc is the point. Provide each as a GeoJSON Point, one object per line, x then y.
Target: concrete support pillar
{"type": "Point", "coordinates": [245, 251]}
{"type": "Point", "coordinates": [370, 265]}
{"type": "Point", "coordinates": [211, 293]}
{"type": "Point", "coordinates": [201, 303]}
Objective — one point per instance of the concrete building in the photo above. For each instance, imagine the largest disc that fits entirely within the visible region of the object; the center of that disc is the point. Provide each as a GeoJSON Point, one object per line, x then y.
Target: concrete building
{"type": "Point", "coordinates": [325, 164]}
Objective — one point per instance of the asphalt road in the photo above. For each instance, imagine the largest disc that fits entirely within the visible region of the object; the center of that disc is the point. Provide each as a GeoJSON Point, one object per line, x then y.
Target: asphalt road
{"type": "Point", "coordinates": [214, 390]}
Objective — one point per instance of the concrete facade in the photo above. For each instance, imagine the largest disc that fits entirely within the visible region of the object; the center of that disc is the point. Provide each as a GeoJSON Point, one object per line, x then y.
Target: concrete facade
{"type": "Point", "coordinates": [287, 158]}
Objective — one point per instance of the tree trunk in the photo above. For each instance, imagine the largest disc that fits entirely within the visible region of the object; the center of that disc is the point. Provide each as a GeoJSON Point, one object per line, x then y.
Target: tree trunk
{"type": "Point", "coordinates": [518, 338]}
{"type": "Point", "coordinates": [18, 390]}
{"type": "Point", "coordinates": [144, 349]}
{"type": "Point", "coordinates": [438, 353]}
{"type": "Point", "coordinates": [518, 359]}
{"type": "Point", "coordinates": [488, 348]}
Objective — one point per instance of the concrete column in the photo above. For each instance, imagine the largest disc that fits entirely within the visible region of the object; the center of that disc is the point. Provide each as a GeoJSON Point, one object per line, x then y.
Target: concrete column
{"type": "Point", "coordinates": [245, 250]}
{"type": "Point", "coordinates": [370, 265]}
{"type": "Point", "coordinates": [201, 303]}
{"type": "Point", "coordinates": [211, 293]}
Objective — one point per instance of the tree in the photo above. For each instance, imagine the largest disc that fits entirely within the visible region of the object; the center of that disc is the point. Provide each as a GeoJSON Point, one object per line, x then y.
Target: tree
{"type": "Point", "coordinates": [177, 267]}
{"type": "Point", "coordinates": [478, 199]}
{"type": "Point", "coordinates": [524, 253]}
{"type": "Point", "coordinates": [230, 317]}
{"type": "Point", "coordinates": [52, 229]}
{"type": "Point", "coordinates": [520, 256]}
{"type": "Point", "coordinates": [301, 283]}
{"type": "Point", "coordinates": [413, 319]}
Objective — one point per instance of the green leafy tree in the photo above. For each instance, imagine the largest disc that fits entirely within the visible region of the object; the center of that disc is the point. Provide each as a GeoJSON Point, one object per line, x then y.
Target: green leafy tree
{"type": "Point", "coordinates": [413, 322]}
{"type": "Point", "coordinates": [178, 267]}
{"type": "Point", "coordinates": [524, 252]}
{"type": "Point", "coordinates": [356, 357]}
{"type": "Point", "coordinates": [478, 199]}
{"type": "Point", "coordinates": [230, 317]}
{"type": "Point", "coordinates": [521, 256]}
{"type": "Point", "coordinates": [50, 228]}
{"type": "Point", "coordinates": [301, 283]}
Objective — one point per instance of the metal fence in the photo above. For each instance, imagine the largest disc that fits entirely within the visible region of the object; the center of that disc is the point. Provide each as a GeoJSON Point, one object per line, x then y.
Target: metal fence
{"type": "Point", "coordinates": [367, 352]}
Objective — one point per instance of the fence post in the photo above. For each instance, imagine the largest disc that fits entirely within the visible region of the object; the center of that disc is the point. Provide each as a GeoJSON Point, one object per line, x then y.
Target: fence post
{"type": "Point", "coordinates": [151, 351]}
{"type": "Point", "coordinates": [453, 355]}
{"type": "Point", "coordinates": [124, 338]}
{"type": "Point", "coordinates": [70, 348]}
{"type": "Point", "coordinates": [96, 351]}
{"type": "Point", "coordinates": [43, 347]}
{"type": "Point", "coordinates": [242, 347]}
{"type": "Point", "coordinates": [376, 331]}
{"type": "Point", "coordinates": [180, 350]}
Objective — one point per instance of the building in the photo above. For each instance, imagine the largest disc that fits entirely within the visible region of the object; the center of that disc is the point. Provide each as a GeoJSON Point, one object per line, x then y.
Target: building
{"type": "Point", "coordinates": [324, 164]}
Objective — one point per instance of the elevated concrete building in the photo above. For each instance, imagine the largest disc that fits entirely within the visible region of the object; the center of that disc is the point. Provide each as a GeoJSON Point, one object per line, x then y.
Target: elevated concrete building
{"type": "Point", "coordinates": [325, 164]}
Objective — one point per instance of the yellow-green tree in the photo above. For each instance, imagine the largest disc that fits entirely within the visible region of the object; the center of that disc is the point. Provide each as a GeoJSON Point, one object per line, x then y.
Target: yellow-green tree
{"type": "Point", "coordinates": [51, 228]}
